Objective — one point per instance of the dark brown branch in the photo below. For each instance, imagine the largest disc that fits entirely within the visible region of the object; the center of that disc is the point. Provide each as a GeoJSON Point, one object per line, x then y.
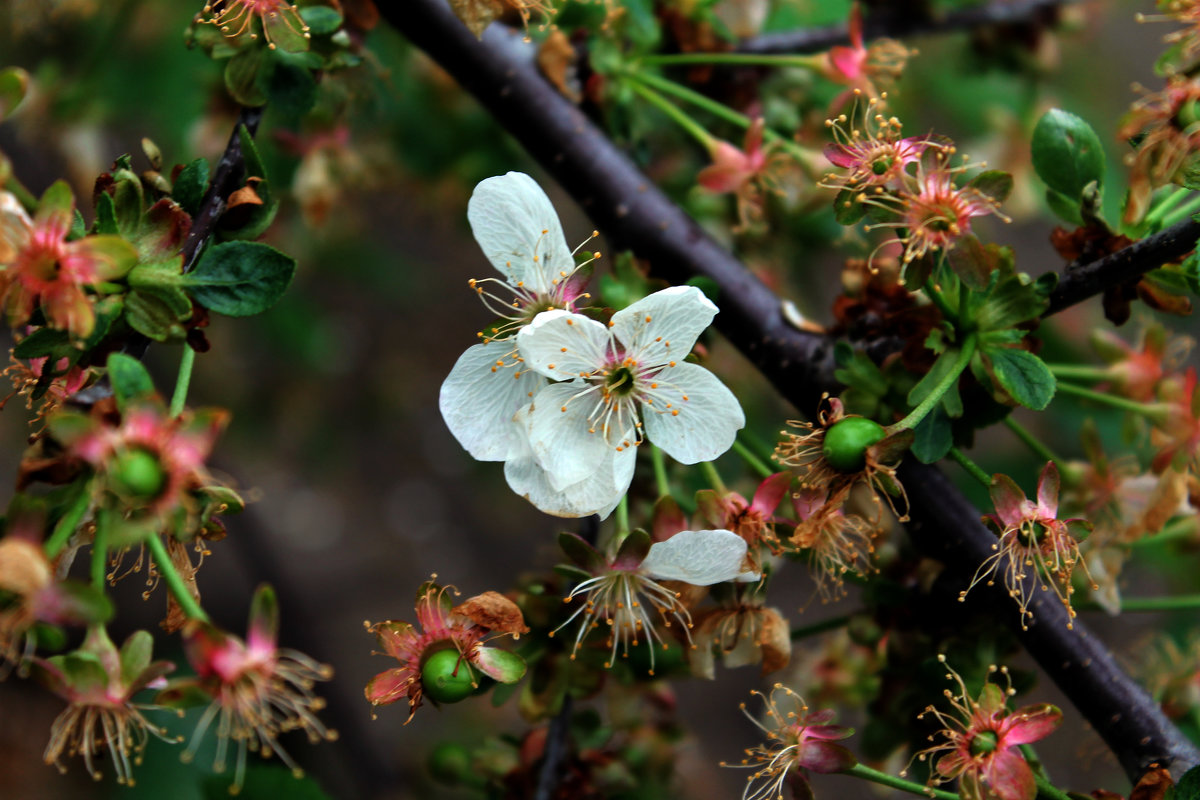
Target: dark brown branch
{"type": "Point", "coordinates": [1127, 264]}
{"type": "Point", "coordinates": [635, 214]}
{"type": "Point", "coordinates": [883, 23]}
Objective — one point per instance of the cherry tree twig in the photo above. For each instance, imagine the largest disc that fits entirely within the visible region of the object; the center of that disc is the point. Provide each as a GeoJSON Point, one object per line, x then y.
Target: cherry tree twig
{"type": "Point", "coordinates": [905, 23]}
{"type": "Point", "coordinates": [627, 206]}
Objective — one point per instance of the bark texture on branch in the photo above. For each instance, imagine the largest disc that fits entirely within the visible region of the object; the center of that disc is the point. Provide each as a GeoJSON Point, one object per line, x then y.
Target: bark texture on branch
{"type": "Point", "coordinates": [636, 215]}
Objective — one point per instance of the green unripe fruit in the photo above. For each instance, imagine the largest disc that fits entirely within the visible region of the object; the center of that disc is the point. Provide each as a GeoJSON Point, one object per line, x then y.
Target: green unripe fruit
{"type": "Point", "coordinates": [440, 681]}
{"type": "Point", "coordinates": [450, 762]}
{"type": "Point", "coordinates": [847, 441]}
{"type": "Point", "coordinates": [138, 474]}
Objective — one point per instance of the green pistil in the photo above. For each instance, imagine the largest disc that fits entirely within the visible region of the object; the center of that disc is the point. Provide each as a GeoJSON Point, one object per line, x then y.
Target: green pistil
{"type": "Point", "coordinates": [984, 742]}
{"type": "Point", "coordinates": [881, 166]}
{"type": "Point", "coordinates": [620, 381]}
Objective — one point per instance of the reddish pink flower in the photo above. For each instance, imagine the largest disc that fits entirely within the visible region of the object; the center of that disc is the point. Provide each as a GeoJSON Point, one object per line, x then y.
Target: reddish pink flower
{"type": "Point", "coordinates": [835, 543]}
{"type": "Point", "coordinates": [864, 68]}
{"type": "Point", "coordinates": [1031, 537]}
{"type": "Point", "coordinates": [796, 741]}
{"type": "Point", "coordinates": [936, 213]}
{"type": "Point", "coordinates": [871, 154]}
{"type": "Point", "coordinates": [744, 173]}
{"type": "Point", "coordinates": [100, 682]}
{"type": "Point", "coordinates": [257, 689]}
{"type": "Point", "coordinates": [754, 521]}
{"type": "Point", "coordinates": [1138, 372]}
{"type": "Point", "coordinates": [40, 268]}
{"type": "Point", "coordinates": [440, 626]}
{"type": "Point", "coordinates": [980, 739]}
{"type": "Point", "coordinates": [279, 20]}
{"type": "Point", "coordinates": [1177, 435]}
{"type": "Point", "coordinates": [1167, 125]}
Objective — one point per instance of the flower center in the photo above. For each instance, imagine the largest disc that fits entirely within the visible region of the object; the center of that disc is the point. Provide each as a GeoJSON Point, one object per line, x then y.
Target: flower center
{"type": "Point", "coordinates": [882, 165]}
{"type": "Point", "coordinates": [1031, 532]}
{"type": "Point", "coordinates": [620, 381]}
{"type": "Point", "coordinates": [984, 742]}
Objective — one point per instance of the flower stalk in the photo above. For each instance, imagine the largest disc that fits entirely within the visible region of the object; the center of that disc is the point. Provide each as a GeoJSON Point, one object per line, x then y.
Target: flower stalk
{"type": "Point", "coordinates": [944, 385]}
{"type": "Point", "coordinates": [884, 779]}
{"type": "Point", "coordinates": [179, 396]}
{"type": "Point", "coordinates": [174, 580]}
{"type": "Point", "coordinates": [1151, 411]}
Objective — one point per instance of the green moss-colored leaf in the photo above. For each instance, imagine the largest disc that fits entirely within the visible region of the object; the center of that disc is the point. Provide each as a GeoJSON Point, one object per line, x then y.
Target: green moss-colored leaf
{"type": "Point", "coordinates": [131, 383]}
{"type": "Point", "coordinates": [190, 186]}
{"type": "Point", "coordinates": [240, 279]}
{"type": "Point", "coordinates": [14, 83]}
{"type": "Point", "coordinates": [1024, 376]}
{"type": "Point", "coordinates": [321, 20]}
{"type": "Point", "coordinates": [242, 76]}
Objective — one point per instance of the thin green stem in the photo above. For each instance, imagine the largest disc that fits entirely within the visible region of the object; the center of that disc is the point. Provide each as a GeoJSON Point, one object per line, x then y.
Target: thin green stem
{"type": "Point", "coordinates": [1033, 443]}
{"type": "Point", "coordinates": [1047, 790]}
{"type": "Point", "coordinates": [883, 779]}
{"type": "Point", "coordinates": [735, 59]}
{"type": "Point", "coordinates": [944, 385]}
{"type": "Point", "coordinates": [1165, 205]}
{"type": "Point", "coordinates": [623, 516]}
{"type": "Point", "coordinates": [752, 460]}
{"type": "Point", "coordinates": [100, 552]}
{"type": "Point", "coordinates": [939, 300]}
{"type": "Point", "coordinates": [660, 471]}
{"type": "Point", "coordinates": [677, 114]}
{"type": "Point", "coordinates": [174, 580]}
{"type": "Point", "coordinates": [183, 381]}
{"type": "Point", "coordinates": [23, 195]}
{"type": "Point", "coordinates": [973, 469]}
{"type": "Point", "coordinates": [714, 478]}
{"type": "Point", "coordinates": [69, 522]}
{"type": "Point", "coordinates": [1031, 758]}
{"type": "Point", "coordinates": [833, 623]}
{"type": "Point", "coordinates": [1182, 213]}
{"type": "Point", "coordinates": [719, 110]}
{"type": "Point", "coordinates": [1152, 411]}
{"type": "Point", "coordinates": [1080, 372]}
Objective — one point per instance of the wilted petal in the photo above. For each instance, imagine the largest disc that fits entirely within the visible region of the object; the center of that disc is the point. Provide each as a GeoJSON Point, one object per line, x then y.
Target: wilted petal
{"type": "Point", "coordinates": [1009, 777]}
{"type": "Point", "coordinates": [479, 398]}
{"type": "Point", "coordinates": [707, 422]}
{"type": "Point", "coordinates": [825, 757]}
{"type": "Point", "coordinates": [1008, 499]}
{"type": "Point", "coordinates": [389, 686]}
{"type": "Point", "coordinates": [518, 230]}
{"type": "Point", "coordinates": [665, 325]}
{"type": "Point", "coordinates": [1030, 724]}
{"type": "Point", "coordinates": [501, 665]}
{"type": "Point", "coordinates": [493, 611]}
{"type": "Point", "coordinates": [1047, 491]}
{"type": "Point", "coordinates": [700, 558]}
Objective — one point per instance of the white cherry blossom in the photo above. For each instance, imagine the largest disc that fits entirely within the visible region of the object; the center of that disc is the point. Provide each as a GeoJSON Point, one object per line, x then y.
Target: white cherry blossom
{"type": "Point", "coordinates": [622, 383]}
{"type": "Point", "coordinates": [520, 234]}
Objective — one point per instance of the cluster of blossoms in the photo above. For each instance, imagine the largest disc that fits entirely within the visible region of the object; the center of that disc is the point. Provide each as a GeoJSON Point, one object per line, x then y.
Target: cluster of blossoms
{"type": "Point", "coordinates": [1166, 126]}
{"type": "Point", "coordinates": [565, 400]}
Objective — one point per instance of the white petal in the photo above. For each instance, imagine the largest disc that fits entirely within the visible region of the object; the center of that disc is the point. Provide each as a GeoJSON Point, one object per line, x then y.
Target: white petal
{"type": "Point", "coordinates": [561, 345]}
{"type": "Point", "coordinates": [560, 440]}
{"type": "Point", "coordinates": [15, 226]}
{"type": "Point", "coordinates": [700, 558]}
{"type": "Point", "coordinates": [478, 404]}
{"type": "Point", "coordinates": [665, 325]}
{"type": "Point", "coordinates": [514, 223]}
{"type": "Point", "coordinates": [596, 494]}
{"type": "Point", "coordinates": [707, 422]}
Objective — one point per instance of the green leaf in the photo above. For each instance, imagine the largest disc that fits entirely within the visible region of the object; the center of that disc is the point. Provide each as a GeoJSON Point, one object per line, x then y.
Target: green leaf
{"type": "Point", "coordinates": [158, 312]}
{"type": "Point", "coordinates": [43, 342]}
{"type": "Point", "coordinates": [242, 76]}
{"type": "Point", "coordinates": [933, 437]}
{"type": "Point", "coordinates": [321, 20]}
{"type": "Point", "coordinates": [250, 156]}
{"type": "Point", "coordinates": [1024, 376]}
{"type": "Point", "coordinates": [1188, 787]}
{"type": "Point", "coordinates": [994, 183]}
{"type": "Point", "coordinates": [846, 209]}
{"type": "Point", "coordinates": [240, 279]}
{"type": "Point", "coordinates": [1067, 153]}
{"type": "Point", "coordinates": [291, 88]}
{"type": "Point", "coordinates": [106, 215]}
{"type": "Point", "coordinates": [190, 186]}
{"type": "Point", "coordinates": [265, 783]}
{"type": "Point", "coordinates": [971, 262]}
{"type": "Point", "coordinates": [130, 380]}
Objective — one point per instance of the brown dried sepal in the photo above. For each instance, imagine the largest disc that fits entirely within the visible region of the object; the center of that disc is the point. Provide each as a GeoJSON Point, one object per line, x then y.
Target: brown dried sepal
{"type": "Point", "coordinates": [1154, 785]}
{"type": "Point", "coordinates": [478, 14]}
{"type": "Point", "coordinates": [494, 611]}
{"type": "Point", "coordinates": [556, 60]}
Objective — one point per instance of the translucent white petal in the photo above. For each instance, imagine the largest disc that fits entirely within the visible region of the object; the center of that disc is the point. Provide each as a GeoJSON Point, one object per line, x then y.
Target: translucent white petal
{"type": "Point", "coordinates": [561, 345]}
{"type": "Point", "coordinates": [519, 232]}
{"type": "Point", "coordinates": [700, 558]}
{"type": "Point", "coordinates": [478, 403]}
{"type": "Point", "coordinates": [596, 494]}
{"type": "Point", "coordinates": [707, 422]}
{"type": "Point", "coordinates": [665, 325]}
{"type": "Point", "coordinates": [560, 439]}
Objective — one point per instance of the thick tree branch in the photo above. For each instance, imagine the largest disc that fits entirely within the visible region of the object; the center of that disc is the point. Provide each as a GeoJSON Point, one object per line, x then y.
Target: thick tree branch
{"type": "Point", "coordinates": [884, 23]}
{"type": "Point", "coordinates": [635, 214]}
{"type": "Point", "coordinates": [1127, 264]}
